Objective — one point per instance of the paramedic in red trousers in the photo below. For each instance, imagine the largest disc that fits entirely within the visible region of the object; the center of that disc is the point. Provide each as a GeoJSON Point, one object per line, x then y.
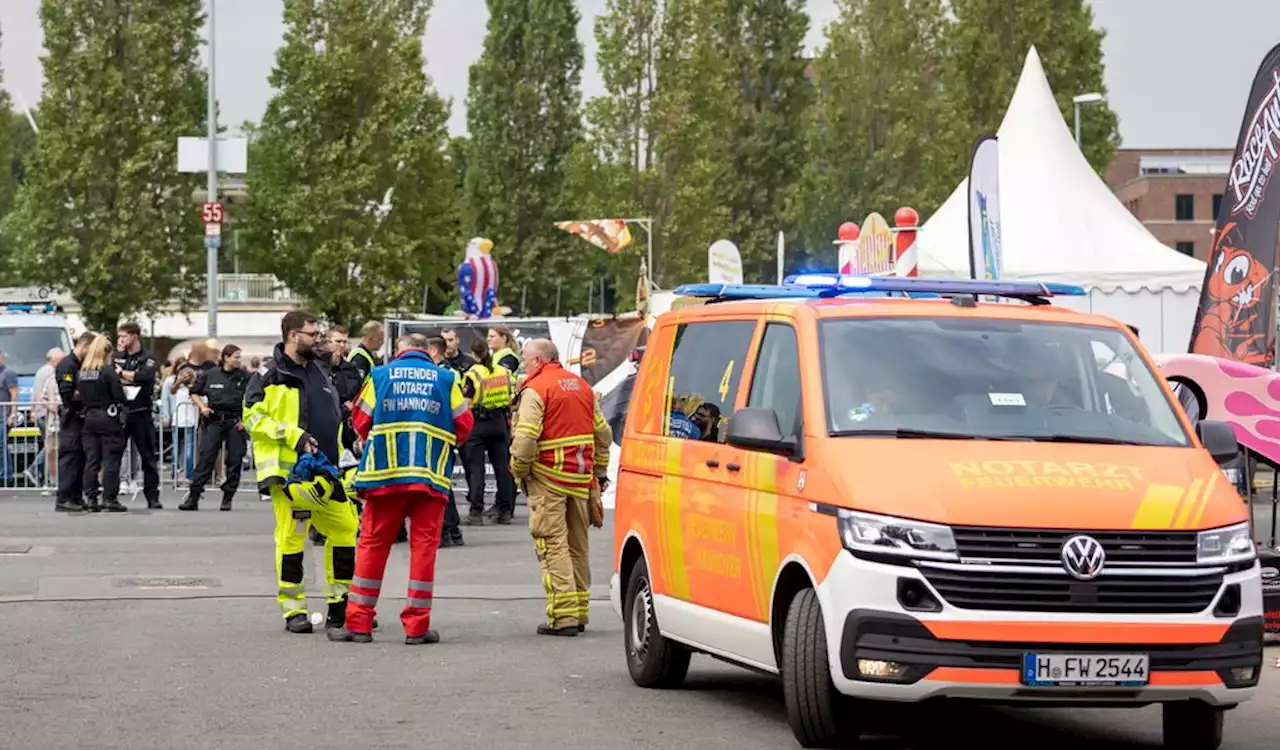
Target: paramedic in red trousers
{"type": "Point", "coordinates": [409, 417]}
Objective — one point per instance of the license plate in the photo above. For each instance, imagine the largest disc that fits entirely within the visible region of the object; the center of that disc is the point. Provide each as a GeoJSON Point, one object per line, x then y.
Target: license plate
{"type": "Point", "coordinates": [1079, 670]}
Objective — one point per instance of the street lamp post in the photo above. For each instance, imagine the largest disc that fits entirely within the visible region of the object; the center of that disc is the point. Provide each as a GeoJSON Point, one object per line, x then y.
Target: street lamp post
{"type": "Point", "coordinates": [1089, 98]}
{"type": "Point", "coordinates": [211, 243]}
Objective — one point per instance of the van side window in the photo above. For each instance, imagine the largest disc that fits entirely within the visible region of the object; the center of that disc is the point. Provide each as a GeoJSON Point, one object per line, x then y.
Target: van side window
{"type": "Point", "coordinates": [776, 381]}
{"type": "Point", "coordinates": [706, 367]}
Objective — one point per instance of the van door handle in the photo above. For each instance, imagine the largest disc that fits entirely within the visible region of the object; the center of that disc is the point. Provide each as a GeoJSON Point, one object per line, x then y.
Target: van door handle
{"type": "Point", "coordinates": [732, 467]}
{"type": "Point", "coordinates": [713, 463]}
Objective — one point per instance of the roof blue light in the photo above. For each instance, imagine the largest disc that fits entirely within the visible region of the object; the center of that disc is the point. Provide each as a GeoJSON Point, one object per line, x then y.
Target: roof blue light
{"type": "Point", "coordinates": [817, 285]}
{"type": "Point", "coordinates": [29, 307]}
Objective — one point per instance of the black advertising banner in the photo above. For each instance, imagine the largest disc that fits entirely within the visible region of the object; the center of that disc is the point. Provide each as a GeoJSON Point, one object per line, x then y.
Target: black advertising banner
{"type": "Point", "coordinates": [1237, 298]}
{"type": "Point", "coordinates": [1270, 560]}
{"type": "Point", "coordinates": [470, 330]}
{"type": "Point", "coordinates": [607, 344]}
{"type": "Point", "coordinates": [606, 348]}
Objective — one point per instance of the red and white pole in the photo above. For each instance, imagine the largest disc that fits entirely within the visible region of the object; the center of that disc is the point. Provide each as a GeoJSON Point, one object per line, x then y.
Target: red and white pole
{"type": "Point", "coordinates": [845, 245]}
{"type": "Point", "coordinates": [907, 223]}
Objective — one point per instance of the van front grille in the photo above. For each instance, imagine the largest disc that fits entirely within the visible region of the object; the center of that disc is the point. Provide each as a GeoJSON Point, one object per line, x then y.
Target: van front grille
{"type": "Point", "coordinates": [1123, 548]}
{"type": "Point", "coordinates": [1021, 590]}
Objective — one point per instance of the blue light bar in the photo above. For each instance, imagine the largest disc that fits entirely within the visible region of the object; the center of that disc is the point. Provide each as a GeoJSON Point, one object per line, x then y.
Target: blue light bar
{"type": "Point", "coordinates": [819, 285]}
{"type": "Point", "coordinates": [29, 307]}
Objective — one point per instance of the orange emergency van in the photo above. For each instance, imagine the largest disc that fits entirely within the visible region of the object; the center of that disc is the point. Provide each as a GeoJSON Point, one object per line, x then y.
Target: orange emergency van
{"type": "Point", "coordinates": [892, 489]}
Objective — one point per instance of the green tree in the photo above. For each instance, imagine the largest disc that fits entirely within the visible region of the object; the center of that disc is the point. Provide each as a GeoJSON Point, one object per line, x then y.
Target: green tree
{"type": "Point", "coordinates": [524, 120]}
{"type": "Point", "coordinates": [765, 44]}
{"type": "Point", "coordinates": [875, 136]}
{"type": "Point", "coordinates": [980, 76]}
{"type": "Point", "coordinates": [351, 195]}
{"type": "Point", "coordinates": [103, 213]}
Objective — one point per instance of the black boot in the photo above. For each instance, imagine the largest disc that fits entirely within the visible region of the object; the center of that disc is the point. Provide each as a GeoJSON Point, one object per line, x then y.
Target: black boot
{"type": "Point", "coordinates": [431, 636]}
{"type": "Point", "coordinates": [569, 631]}
{"type": "Point", "coordinates": [114, 506]}
{"type": "Point", "coordinates": [298, 623]}
{"type": "Point", "coordinates": [69, 506]}
{"type": "Point", "coordinates": [191, 501]}
{"type": "Point", "coordinates": [92, 505]}
{"type": "Point", "coordinates": [342, 635]}
{"type": "Point", "coordinates": [336, 616]}
{"type": "Point", "coordinates": [227, 497]}
{"type": "Point", "coordinates": [153, 503]}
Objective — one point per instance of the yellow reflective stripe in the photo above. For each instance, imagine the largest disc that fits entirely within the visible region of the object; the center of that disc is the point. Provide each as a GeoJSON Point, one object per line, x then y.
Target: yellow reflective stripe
{"type": "Point", "coordinates": [572, 441]}
{"type": "Point", "coordinates": [405, 427]}
{"type": "Point", "coordinates": [564, 477]}
{"type": "Point", "coordinates": [403, 472]}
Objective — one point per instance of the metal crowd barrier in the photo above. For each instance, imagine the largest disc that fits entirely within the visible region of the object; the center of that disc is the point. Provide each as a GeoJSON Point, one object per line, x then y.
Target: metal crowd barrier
{"type": "Point", "coordinates": [29, 450]}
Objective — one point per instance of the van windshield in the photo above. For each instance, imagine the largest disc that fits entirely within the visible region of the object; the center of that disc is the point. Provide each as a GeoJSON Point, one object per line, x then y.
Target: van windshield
{"type": "Point", "coordinates": [25, 348]}
{"type": "Point", "coordinates": [983, 378]}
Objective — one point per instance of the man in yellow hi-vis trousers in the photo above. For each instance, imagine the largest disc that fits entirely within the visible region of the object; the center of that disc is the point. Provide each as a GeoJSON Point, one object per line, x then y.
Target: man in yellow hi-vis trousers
{"type": "Point", "coordinates": [292, 410]}
{"type": "Point", "coordinates": [560, 453]}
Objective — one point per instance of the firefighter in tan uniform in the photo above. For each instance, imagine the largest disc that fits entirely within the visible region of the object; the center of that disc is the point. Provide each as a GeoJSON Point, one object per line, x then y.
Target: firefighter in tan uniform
{"type": "Point", "coordinates": [560, 455]}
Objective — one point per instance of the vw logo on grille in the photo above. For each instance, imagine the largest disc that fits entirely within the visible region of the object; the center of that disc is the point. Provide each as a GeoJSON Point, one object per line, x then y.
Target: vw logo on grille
{"type": "Point", "coordinates": [1083, 557]}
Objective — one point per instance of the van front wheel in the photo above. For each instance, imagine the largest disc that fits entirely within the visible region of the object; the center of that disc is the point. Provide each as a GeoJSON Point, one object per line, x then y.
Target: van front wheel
{"type": "Point", "coordinates": [1192, 725]}
{"type": "Point", "coordinates": [653, 660]}
{"type": "Point", "coordinates": [819, 716]}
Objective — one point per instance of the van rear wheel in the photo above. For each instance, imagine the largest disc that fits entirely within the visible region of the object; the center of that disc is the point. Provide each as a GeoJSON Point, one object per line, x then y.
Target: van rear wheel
{"type": "Point", "coordinates": [819, 715]}
{"type": "Point", "coordinates": [1192, 725]}
{"type": "Point", "coordinates": [653, 660]}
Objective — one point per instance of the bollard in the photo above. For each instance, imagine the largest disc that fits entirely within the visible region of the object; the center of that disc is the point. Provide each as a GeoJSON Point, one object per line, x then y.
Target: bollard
{"type": "Point", "coordinates": [906, 222]}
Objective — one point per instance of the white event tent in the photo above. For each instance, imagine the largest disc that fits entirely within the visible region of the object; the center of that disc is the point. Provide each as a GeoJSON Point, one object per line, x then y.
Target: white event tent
{"type": "Point", "coordinates": [1060, 222]}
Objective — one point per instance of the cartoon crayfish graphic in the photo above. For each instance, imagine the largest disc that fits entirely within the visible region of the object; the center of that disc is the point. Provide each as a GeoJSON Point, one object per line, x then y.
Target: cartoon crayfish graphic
{"type": "Point", "coordinates": [1233, 320]}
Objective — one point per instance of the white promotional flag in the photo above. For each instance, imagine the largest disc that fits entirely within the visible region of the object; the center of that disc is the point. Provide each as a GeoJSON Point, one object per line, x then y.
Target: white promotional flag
{"type": "Point", "coordinates": [724, 263]}
{"type": "Point", "coordinates": [984, 210]}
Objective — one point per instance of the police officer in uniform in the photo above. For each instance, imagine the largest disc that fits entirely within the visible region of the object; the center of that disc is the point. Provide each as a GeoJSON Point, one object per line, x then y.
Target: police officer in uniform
{"type": "Point", "coordinates": [136, 367]}
{"type": "Point", "coordinates": [103, 436]}
{"type": "Point", "coordinates": [365, 355]}
{"type": "Point", "coordinates": [488, 385]}
{"type": "Point", "coordinates": [220, 393]}
{"type": "Point", "coordinates": [70, 451]}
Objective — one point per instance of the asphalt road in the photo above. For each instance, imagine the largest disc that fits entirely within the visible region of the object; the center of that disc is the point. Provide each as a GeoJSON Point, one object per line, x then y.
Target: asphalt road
{"type": "Point", "coordinates": [159, 630]}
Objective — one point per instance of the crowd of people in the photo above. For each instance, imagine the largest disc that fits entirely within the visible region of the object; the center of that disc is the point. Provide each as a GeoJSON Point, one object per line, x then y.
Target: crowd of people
{"type": "Point", "coordinates": [348, 448]}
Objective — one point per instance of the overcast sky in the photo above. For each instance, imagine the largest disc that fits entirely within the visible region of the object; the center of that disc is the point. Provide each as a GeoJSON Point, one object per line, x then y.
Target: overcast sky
{"type": "Point", "coordinates": [1178, 70]}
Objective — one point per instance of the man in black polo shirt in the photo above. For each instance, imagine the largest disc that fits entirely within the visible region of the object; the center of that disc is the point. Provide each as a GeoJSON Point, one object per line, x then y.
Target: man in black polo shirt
{"type": "Point", "coordinates": [137, 367]}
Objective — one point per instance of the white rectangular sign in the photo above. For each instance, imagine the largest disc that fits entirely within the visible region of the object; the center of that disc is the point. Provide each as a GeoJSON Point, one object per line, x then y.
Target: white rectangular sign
{"type": "Point", "coordinates": [233, 155]}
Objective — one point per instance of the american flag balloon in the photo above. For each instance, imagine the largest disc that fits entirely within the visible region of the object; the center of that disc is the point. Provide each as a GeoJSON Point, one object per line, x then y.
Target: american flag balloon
{"type": "Point", "coordinates": [478, 279]}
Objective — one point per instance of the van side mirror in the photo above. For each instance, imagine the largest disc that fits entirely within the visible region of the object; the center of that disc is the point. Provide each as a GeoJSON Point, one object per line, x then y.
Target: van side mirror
{"type": "Point", "coordinates": [756, 428]}
{"type": "Point", "coordinates": [1219, 438]}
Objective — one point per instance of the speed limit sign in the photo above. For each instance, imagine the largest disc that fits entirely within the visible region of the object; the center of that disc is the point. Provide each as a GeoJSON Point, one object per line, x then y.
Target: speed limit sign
{"type": "Point", "coordinates": [211, 212]}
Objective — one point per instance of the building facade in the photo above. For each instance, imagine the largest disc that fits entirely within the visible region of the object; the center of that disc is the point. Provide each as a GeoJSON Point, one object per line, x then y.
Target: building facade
{"type": "Point", "coordinates": [1175, 193]}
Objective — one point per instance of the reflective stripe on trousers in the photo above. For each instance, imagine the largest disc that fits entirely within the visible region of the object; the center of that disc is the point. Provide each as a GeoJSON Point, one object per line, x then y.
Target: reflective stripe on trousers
{"type": "Point", "coordinates": [420, 594]}
{"type": "Point", "coordinates": [365, 585]}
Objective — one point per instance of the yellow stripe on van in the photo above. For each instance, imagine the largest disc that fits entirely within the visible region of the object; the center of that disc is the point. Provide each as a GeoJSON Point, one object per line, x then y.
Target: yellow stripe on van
{"type": "Point", "coordinates": [1158, 506]}
{"type": "Point", "coordinates": [1188, 505]}
{"type": "Point", "coordinates": [1204, 501]}
{"type": "Point", "coordinates": [672, 527]}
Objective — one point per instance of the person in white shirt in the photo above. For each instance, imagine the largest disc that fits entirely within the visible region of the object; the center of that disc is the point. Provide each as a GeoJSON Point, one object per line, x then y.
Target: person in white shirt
{"type": "Point", "coordinates": [44, 407]}
{"type": "Point", "coordinates": [179, 415]}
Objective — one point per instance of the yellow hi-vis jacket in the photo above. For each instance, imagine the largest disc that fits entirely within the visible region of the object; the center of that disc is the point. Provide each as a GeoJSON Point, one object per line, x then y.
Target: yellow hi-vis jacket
{"type": "Point", "coordinates": [492, 386]}
{"type": "Point", "coordinates": [275, 419]}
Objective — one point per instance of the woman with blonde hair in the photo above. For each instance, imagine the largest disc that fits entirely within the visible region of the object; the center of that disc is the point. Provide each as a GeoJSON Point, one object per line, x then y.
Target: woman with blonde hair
{"type": "Point", "coordinates": [503, 347]}
{"type": "Point", "coordinates": [103, 439]}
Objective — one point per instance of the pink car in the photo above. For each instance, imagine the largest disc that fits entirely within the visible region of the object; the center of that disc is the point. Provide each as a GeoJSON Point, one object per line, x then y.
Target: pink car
{"type": "Point", "coordinates": [1245, 396]}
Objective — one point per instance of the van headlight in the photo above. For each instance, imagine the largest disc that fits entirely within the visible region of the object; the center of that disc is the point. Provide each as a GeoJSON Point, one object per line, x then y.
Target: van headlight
{"type": "Point", "coordinates": [885, 535]}
{"type": "Point", "coordinates": [1226, 545]}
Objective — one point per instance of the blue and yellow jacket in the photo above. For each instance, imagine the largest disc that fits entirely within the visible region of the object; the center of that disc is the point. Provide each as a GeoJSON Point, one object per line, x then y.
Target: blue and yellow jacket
{"type": "Point", "coordinates": [411, 414]}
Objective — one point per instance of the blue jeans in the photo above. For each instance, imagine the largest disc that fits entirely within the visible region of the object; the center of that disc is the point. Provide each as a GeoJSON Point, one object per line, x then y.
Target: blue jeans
{"type": "Point", "coordinates": [184, 451]}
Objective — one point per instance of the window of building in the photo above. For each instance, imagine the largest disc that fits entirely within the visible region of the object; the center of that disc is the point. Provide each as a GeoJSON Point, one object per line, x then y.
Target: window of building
{"type": "Point", "coordinates": [706, 368]}
{"type": "Point", "coordinates": [1184, 207]}
{"type": "Point", "coordinates": [1217, 204]}
{"type": "Point", "coordinates": [776, 381]}
{"type": "Point", "coordinates": [1187, 248]}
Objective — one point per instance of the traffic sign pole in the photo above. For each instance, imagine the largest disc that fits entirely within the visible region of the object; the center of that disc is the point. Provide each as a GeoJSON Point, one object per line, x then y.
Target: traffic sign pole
{"type": "Point", "coordinates": [211, 264]}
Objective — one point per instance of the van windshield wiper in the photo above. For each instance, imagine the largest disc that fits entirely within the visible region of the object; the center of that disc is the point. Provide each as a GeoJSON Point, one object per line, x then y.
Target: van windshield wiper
{"type": "Point", "coordinates": [1093, 439]}
{"type": "Point", "coordinates": [903, 432]}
